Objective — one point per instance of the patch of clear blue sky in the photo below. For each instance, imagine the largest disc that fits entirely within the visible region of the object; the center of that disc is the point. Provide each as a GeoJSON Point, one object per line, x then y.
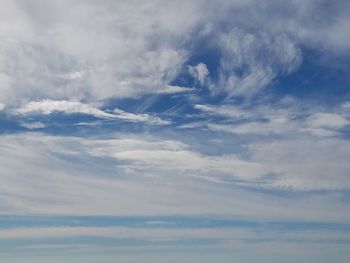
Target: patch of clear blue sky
{"type": "Point", "coordinates": [319, 79]}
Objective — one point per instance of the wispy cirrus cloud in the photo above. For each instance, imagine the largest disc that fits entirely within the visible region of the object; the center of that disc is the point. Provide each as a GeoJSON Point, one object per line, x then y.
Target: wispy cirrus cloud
{"type": "Point", "coordinates": [270, 120]}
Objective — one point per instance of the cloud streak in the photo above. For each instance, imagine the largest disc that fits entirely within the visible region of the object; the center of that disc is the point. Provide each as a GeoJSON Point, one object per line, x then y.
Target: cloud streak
{"type": "Point", "coordinates": [47, 107]}
{"type": "Point", "coordinates": [275, 120]}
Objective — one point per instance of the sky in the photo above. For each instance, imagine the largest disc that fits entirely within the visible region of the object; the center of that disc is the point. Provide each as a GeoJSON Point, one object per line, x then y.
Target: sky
{"type": "Point", "coordinates": [174, 131]}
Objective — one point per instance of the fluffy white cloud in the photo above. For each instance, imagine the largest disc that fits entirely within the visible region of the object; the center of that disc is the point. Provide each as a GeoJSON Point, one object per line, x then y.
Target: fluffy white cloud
{"type": "Point", "coordinates": [200, 72]}
{"type": "Point", "coordinates": [50, 106]}
{"type": "Point", "coordinates": [91, 51]}
{"type": "Point", "coordinates": [327, 121]}
{"type": "Point", "coordinates": [33, 125]}
{"type": "Point", "coordinates": [95, 51]}
{"type": "Point", "coordinates": [326, 124]}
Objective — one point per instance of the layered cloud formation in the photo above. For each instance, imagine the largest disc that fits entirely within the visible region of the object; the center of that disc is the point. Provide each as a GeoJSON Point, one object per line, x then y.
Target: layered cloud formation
{"type": "Point", "coordinates": [163, 127]}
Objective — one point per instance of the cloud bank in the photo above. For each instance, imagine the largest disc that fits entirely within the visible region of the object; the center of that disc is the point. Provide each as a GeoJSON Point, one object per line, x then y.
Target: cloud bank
{"type": "Point", "coordinates": [94, 52]}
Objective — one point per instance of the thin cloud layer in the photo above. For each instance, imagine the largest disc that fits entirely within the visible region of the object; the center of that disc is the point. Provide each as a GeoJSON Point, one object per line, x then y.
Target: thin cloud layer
{"type": "Point", "coordinates": [287, 121]}
{"type": "Point", "coordinates": [147, 176]}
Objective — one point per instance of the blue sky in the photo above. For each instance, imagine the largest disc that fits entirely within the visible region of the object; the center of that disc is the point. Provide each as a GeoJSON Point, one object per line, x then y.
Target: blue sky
{"type": "Point", "coordinates": [163, 131]}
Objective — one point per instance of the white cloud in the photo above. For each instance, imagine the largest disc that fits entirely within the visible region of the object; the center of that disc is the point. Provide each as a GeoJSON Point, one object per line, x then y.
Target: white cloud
{"type": "Point", "coordinates": [91, 52]}
{"type": "Point", "coordinates": [122, 115]}
{"type": "Point", "coordinates": [49, 106]}
{"type": "Point", "coordinates": [74, 75]}
{"type": "Point", "coordinates": [51, 184]}
{"type": "Point", "coordinates": [71, 107]}
{"type": "Point", "coordinates": [300, 149]}
{"type": "Point", "coordinates": [258, 128]}
{"type": "Point", "coordinates": [33, 125]}
{"type": "Point", "coordinates": [270, 120]}
{"type": "Point", "coordinates": [327, 121]}
{"type": "Point", "coordinates": [70, 176]}
{"type": "Point", "coordinates": [200, 72]}
{"type": "Point", "coordinates": [325, 124]}
{"type": "Point", "coordinates": [306, 163]}
{"type": "Point", "coordinates": [171, 89]}
{"type": "Point", "coordinates": [224, 110]}
{"type": "Point", "coordinates": [244, 68]}
{"type": "Point", "coordinates": [346, 105]}
{"type": "Point", "coordinates": [260, 120]}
